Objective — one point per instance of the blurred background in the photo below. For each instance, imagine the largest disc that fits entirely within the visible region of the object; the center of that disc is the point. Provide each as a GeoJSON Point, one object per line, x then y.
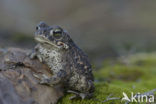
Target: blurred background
{"type": "Point", "coordinates": [104, 29]}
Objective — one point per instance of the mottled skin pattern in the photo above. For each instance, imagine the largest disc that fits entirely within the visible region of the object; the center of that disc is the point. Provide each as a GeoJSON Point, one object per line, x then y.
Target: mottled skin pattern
{"type": "Point", "coordinates": [69, 64]}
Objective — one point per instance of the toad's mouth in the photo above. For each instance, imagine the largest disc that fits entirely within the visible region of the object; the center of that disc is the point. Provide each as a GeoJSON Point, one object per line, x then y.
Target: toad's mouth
{"type": "Point", "coordinates": [43, 40]}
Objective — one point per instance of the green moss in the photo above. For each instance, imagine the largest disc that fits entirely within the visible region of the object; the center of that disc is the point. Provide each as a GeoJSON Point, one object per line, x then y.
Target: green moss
{"type": "Point", "coordinates": [116, 77]}
{"type": "Point", "coordinates": [19, 38]}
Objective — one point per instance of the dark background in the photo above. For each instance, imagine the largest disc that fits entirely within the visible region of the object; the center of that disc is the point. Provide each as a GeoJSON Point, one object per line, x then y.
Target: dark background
{"type": "Point", "coordinates": [102, 28]}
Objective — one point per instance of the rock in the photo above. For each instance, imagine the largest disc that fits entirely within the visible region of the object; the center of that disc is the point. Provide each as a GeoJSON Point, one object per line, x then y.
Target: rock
{"type": "Point", "coordinates": [19, 80]}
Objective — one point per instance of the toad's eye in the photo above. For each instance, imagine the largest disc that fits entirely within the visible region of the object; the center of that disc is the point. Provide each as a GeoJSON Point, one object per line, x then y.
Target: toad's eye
{"type": "Point", "coordinates": [57, 33]}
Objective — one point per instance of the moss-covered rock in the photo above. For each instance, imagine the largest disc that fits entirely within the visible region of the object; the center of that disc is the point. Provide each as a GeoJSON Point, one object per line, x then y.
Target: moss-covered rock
{"type": "Point", "coordinates": [135, 73]}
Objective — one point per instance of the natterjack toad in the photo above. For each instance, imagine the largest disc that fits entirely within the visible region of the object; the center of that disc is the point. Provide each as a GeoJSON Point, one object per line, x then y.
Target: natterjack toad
{"type": "Point", "coordinates": [69, 64]}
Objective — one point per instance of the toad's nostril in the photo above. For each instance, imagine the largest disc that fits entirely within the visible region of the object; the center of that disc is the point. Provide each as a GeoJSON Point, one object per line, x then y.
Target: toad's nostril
{"type": "Point", "coordinates": [37, 27]}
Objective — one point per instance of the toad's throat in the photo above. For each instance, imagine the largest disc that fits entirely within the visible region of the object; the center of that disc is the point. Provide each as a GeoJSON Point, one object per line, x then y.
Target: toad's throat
{"type": "Point", "coordinates": [41, 39]}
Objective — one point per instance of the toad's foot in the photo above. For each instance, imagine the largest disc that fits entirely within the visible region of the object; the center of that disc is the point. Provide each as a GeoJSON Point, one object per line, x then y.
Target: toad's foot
{"type": "Point", "coordinates": [55, 79]}
{"type": "Point", "coordinates": [34, 55]}
{"type": "Point", "coordinates": [44, 80]}
{"type": "Point", "coordinates": [79, 95]}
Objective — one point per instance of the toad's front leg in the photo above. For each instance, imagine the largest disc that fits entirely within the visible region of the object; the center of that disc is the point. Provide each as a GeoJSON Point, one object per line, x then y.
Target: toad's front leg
{"type": "Point", "coordinates": [55, 79]}
{"type": "Point", "coordinates": [33, 54]}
